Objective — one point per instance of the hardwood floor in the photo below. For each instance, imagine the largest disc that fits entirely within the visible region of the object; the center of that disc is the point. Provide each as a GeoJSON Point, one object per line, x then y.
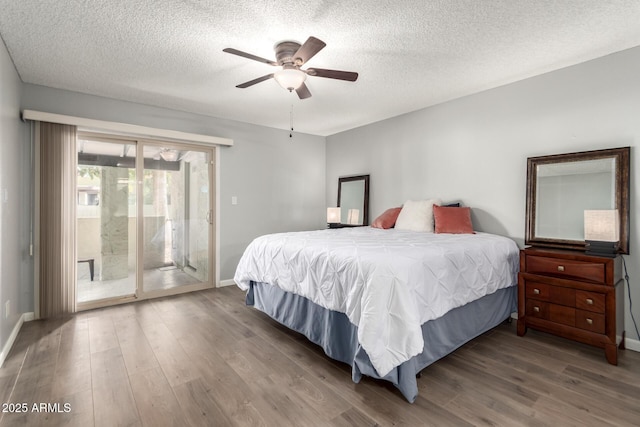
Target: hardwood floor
{"type": "Point", "coordinates": [207, 359]}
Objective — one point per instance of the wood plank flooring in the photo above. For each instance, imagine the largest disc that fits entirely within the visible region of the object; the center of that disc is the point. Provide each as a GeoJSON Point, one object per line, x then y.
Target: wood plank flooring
{"type": "Point", "coordinates": [205, 359]}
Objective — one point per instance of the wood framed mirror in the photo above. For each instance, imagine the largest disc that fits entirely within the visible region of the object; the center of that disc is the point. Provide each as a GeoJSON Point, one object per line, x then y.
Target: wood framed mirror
{"type": "Point", "coordinates": [353, 200]}
{"type": "Point", "coordinates": [561, 187]}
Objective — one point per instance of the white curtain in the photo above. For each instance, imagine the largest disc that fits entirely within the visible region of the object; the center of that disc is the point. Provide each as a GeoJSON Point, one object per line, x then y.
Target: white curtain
{"type": "Point", "coordinates": [57, 258]}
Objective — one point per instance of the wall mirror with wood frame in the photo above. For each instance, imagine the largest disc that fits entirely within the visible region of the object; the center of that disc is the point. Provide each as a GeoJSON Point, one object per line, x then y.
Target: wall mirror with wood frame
{"type": "Point", "coordinates": [561, 187]}
{"type": "Point", "coordinates": [353, 200]}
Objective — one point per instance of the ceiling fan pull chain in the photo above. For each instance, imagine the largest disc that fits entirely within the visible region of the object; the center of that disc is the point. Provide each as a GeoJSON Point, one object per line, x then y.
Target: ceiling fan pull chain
{"type": "Point", "coordinates": [291, 122]}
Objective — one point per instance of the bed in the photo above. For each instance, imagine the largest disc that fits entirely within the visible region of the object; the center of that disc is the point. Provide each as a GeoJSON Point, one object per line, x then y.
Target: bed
{"type": "Point", "coordinates": [386, 302]}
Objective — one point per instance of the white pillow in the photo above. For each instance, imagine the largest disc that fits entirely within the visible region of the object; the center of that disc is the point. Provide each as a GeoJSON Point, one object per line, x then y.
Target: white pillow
{"type": "Point", "coordinates": [417, 215]}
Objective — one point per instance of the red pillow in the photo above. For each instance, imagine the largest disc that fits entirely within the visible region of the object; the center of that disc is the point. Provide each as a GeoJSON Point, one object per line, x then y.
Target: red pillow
{"type": "Point", "coordinates": [452, 220]}
{"type": "Point", "coordinates": [387, 219]}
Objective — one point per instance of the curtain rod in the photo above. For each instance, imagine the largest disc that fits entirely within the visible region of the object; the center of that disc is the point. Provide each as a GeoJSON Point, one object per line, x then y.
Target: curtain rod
{"type": "Point", "coordinates": [92, 124]}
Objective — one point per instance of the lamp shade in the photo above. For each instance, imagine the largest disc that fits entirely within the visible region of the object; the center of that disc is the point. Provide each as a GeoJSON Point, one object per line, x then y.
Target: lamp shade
{"type": "Point", "coordinates": [290, 78]}
{"type": "Point", "coordinates": [602, 225]}
{"type": "Point", "coordinates": [333, 215]}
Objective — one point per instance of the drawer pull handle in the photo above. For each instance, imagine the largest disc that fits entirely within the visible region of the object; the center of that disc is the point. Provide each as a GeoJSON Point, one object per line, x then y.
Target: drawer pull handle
{"type": "Point", "coordinates": [536, 291]}
{"type": "Point", "coordinates": [590, 321]}
{"type": "Point", "coordinates": [589, 301]}
{"type": "Point", "coordinates": [561, 268]}
{"type": "Point", "coordinates": [536, 309]}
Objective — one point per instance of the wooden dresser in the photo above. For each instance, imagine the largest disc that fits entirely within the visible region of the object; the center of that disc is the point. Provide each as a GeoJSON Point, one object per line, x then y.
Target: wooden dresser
{"type": "Point", "coordinates": [573, 295]}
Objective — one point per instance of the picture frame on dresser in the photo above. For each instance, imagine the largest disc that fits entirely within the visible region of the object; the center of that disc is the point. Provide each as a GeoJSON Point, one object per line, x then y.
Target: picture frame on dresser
{"type": "Point", "coordinates": [563, 290]}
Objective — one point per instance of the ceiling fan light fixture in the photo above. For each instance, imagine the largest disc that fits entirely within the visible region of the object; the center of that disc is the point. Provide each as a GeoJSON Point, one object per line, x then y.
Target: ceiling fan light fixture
{"type": "Point", "coordinates": [291, 55]}
{"type": "Point", "coordinates": [290, 78]}
{"type": "Point", "coordinates": [169, 155]}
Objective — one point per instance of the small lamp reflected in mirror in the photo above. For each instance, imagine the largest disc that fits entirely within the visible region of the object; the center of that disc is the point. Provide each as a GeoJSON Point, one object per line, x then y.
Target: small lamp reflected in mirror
{"type": "Point", "coordinates": [333, 216]}
{"type": "Point", "coordinates": [602, 232]}
{"type": "Point", "coordinates": [353, 217]}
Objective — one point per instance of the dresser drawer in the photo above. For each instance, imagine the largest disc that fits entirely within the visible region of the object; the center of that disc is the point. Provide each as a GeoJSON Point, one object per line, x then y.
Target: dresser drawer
{"type": "Point", "coordinates": [590, 301]}
{"type": "Point", "coordinates": [555, 294]}
{"type": "Point", "coordinates": [539, 309]}
{"type": "Point", "coordinates": [590, 321]}
{"type": "Point", "coordinates": [552, 312]}
{"type": "Point", "coordinates": [591, 271]}
{"type": "Point", "coordinates": [562, 314]}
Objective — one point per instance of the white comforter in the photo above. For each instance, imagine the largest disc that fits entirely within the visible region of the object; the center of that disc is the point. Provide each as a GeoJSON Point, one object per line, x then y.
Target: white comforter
{"type": "Point", "coordinates": [388, 282]}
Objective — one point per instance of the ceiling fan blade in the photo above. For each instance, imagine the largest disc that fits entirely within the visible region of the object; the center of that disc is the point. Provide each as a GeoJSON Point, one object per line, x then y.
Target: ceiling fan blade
{"type": "Point", "coordinates": [308, 50]}
{"type": "Point", "coordinates": [333, 74]}
{"type": "Point", "coordinates": [303, 92]}
{"type": "Point", "coordinates": [254, 81]}
{"type": "Point", "coordinates": [248, 55]}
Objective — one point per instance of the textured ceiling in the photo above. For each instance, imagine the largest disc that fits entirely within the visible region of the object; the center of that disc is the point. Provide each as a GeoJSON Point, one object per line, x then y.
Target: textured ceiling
{"type": "Point", "coordinates": [409, 54]}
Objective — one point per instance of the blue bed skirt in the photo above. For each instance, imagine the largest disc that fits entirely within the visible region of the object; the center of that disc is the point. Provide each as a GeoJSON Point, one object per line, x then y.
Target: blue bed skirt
{"type": "Point", "coordinates": [338, 337]}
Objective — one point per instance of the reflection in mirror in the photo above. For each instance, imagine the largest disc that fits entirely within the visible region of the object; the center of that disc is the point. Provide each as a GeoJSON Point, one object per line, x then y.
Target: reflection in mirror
{"type": "Point", "coordinates": [353, 200]}
{"type": "Point", "coordinates": [561, 187]}
{"type": "Point", "coordinates": [566, 190]}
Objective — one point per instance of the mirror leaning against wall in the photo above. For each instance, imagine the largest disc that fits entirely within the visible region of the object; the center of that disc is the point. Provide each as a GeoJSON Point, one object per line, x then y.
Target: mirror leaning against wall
{"type": "Point", "coordinates": [561, 187]}
{"type": "Point", "coordinates": [353, 200]}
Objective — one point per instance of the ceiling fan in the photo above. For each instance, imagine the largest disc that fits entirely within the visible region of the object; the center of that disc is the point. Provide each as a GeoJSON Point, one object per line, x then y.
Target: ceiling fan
{"type": "Point", "coordinates": [290, 55]}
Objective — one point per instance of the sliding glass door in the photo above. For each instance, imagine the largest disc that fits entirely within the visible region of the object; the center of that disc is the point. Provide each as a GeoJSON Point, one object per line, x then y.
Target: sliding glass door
{"type": "Point", "coordinates": [177, 217]}
{"type": "Point", "coordinates": [145, 222]}
{"type": "Point", "coordinates": [106, 218]}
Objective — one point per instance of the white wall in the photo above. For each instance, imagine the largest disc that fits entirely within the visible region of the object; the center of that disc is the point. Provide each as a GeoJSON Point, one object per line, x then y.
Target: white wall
{"type": "Point", "coordinates": [16, 277]}
{"type": "Point", "coordinates": [474, 149]}
{"type": "Point", "coordinates": [279, 181]}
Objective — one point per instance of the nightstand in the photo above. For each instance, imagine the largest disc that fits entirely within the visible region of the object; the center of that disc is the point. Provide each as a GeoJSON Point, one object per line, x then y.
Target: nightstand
{"type": "Point", "coordinates": [334, 225]}
{"type": "Point", "coordinates": [573, 295]}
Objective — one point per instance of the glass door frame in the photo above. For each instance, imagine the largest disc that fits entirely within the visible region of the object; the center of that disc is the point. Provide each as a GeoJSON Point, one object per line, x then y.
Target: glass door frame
{"type": "Point", "coordinates": [213, 228]}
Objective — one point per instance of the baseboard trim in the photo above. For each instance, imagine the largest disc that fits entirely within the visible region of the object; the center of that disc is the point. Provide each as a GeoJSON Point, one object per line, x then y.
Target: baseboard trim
{"type": "Point", "coordinates": [631, 344]}
{"type": "Point", "coordinates": [26, 317]}
{"type": "Point", "coordinates": [228, 282]}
